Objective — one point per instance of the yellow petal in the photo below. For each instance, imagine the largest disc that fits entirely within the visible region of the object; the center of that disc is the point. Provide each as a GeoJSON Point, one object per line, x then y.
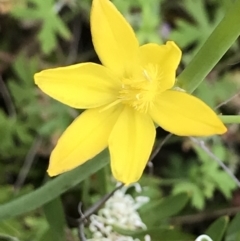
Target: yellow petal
{"type": "Point", "coordinates": [185, 115]}
{"type": "Point", "coordinates": [80, 86]}
{"type": "Point", "coordinates": [130, 145]}
{"type": "Point", "coordinates": [166, 58]}
{"type": "Point", "coordinates": [83, 139]}
{"type": "Point", "coordinates": [113, 38]}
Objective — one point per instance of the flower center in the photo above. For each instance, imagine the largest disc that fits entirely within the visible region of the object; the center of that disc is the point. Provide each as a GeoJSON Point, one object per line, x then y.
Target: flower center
{"type": "Point", "coordinates": [139, 91]}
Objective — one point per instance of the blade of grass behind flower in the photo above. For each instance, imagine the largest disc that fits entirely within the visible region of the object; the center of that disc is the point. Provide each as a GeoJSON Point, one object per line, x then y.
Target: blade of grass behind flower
{"type": "Point", "coordinates": [213, 49]}
{"type": "Point", "coordinates": [53, 188]}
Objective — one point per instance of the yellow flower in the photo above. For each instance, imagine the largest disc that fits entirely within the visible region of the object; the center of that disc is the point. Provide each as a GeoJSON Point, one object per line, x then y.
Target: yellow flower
{"type": "Point", "coordinates": [125, 96]}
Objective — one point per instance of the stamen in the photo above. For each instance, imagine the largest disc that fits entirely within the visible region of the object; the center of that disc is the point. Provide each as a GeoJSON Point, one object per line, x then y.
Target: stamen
{"type": "Point", "coordinates": [139, 91]}
{"type": "Point", "coordinates": [111, 105]}
{"type": "Point", "coordinates": [139, 96]}
{"type": "Point", "coordinates": [145, 73]}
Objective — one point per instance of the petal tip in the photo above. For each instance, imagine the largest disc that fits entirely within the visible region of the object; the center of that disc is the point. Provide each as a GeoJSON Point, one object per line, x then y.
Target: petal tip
{"type": "Point", "coordinates": [174, 46]}
{"type": "Point", "coordinates": [51, 173]}
{"type": "Point", "coordinates": [124, 179]}
{"type": "Point", "coordinates": [36, 78]}
{"type": "Point", "coordinates": [117, 48]}
{"type": "Point", "coordinates": [219, 128]}
{"type": "Point", "coordinates": [222, 129]}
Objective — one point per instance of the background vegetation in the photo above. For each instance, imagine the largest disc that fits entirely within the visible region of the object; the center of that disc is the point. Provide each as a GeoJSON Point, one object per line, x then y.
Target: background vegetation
{"type": "Point", "coordinates": [190, 193]}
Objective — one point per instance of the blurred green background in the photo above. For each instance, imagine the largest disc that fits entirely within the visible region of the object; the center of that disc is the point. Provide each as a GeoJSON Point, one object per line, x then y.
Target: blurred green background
{"type": "Point", "coordinates": [187, 188]}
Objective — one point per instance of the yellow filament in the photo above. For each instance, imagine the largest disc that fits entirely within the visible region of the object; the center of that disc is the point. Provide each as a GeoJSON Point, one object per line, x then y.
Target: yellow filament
{"type": "Point", "coordinates": [139, 91]}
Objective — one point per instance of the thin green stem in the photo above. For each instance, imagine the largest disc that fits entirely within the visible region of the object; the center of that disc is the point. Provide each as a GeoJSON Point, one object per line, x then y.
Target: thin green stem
{"type": "Point", "coordinates": [211, 52]}
{"type": "Point", "coordinates": [230, 119]}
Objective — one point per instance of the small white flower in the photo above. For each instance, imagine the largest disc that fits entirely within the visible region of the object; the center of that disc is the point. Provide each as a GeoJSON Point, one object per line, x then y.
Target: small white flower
{"type": "Point", "coordinates": [120, 210]}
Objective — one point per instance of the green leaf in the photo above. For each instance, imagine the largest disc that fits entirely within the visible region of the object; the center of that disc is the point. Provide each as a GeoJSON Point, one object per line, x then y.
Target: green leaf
{"type": "Point", "coordinates": [52, 24]}
{"type": "Point", "coordinates": [221, 89]}
{"type": "Point", "coordinates": [55, 216]}
{"type": "Point", "coordinates": [46, 236]}
{"type": "Point", "coordinates": [218, 228]}
{"type": "Point", "coordinates": [196, 193]}
{"type": "Point", "coordinates": [213, 49]}
{"type": "Point", "coordinates": [156, 234]}
{"type": "Point", "coordinates": [188, 33]}
{"type": "Point", "coordinates": [10, 227]}
{"type": "Point", "coordinates": [154, 212]}
{"type": "Point", "coordinates": [4, 237]}
{"type": "Point", "coordinates": [213, 174]}
{"type": "Point", "coordinates": [47, 37]}
{"type": "Point", "coordinates": [53, 188]}
{"type": "Point", "coordinates": [25, 68]}
{"type": "Point", "coordinates": [233, 230]}
{"type": "Point", "coordinates": [37, 226]}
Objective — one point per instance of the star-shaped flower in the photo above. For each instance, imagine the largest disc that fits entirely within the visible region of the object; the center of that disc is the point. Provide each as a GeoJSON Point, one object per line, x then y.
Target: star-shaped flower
{"type": "Point", "coordinates": [125, 96]}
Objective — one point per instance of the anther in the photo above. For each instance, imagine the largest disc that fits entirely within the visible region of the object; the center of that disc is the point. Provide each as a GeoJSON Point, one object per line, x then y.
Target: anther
{"type": "Point", "coordinates": [139, 96]}
{"type": "Point", "coordinates": [145, 73]}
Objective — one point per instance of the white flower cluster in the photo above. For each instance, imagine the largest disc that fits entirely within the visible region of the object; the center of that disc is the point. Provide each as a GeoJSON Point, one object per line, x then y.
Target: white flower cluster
{"type": "Point", "coordinates": [121, 211]}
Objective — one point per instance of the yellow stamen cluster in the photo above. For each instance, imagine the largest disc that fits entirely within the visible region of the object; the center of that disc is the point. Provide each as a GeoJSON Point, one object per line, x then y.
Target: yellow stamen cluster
{"type": "Point", "coordinates": [139, 91]}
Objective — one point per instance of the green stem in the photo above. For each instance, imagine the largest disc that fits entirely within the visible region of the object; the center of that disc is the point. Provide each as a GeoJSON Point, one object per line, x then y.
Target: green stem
{"type": "Point", "coordinates": [230, 119]}
{"type": "Point", "coordinates": [211, 52]}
